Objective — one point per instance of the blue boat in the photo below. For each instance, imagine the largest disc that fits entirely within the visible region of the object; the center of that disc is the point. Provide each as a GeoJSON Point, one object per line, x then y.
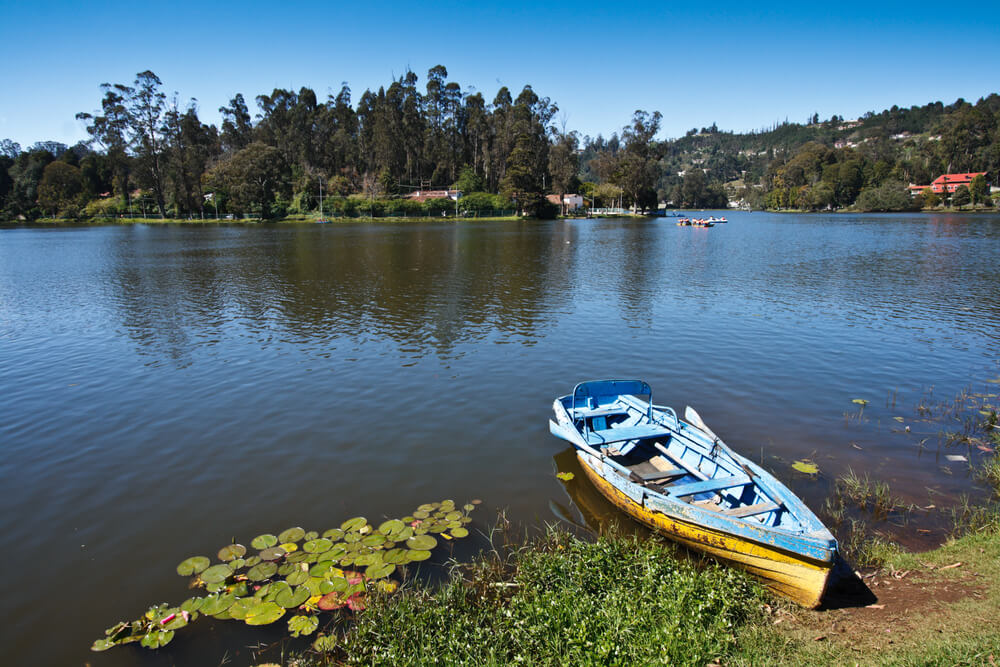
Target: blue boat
{"type": "Point", "coordinates": [682, 480]}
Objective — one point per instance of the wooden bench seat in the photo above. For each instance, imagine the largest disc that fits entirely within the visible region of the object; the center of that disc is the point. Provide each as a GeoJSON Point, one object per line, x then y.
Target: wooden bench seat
{"type": "Point", "coordinates": [714, 484]}
{"type": "Point", "coordinates": [621, 434]}
{"type": "Point", "coordinates": [751, 510]}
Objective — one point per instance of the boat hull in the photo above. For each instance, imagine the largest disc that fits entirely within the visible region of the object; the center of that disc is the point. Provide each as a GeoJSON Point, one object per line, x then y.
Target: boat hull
{"type": "Point", "coordinates": [797, 577]}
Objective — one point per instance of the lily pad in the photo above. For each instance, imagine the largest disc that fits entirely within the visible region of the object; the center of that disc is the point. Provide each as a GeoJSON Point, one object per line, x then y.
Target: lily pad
{"type": "Point", "coordinates": [297, 578]}
{"type": "Point", "coordinates": [459, 532]}
{"type": "Point", "coordinates": [300, 626]}
{"type": "Point", "coordinates": [291, 535]}
{"type": "Point", "coordinates": [310, 535]}
{"type": "Point", "coordinates": [317, 546]}
{"type": "Point", "coordinates": [468, 507]}
{"type": "Point", "coordinates": [232, 552]}
{"type": "Point", "coordinates": [241, 607]}
{"type": "Point", "coordinates": [373, 540]}
{"type": "Point", "coordinates": [192, 605]}
{"type": "Point", "coordinates": [273, 553]}
{"type": "Point", "coordinates": [193, 565]}
{"type": "Point", "coordinates": [334, 534]}
{"type": "Point", "coordinates": [332, 600]}
{"type": "Point", "coordinates": [807, 467]}
{"type": "Point", "coordinates": [289, 547]}
{"type": "Point", "coordinates": [859, 401]}
{"type": "Point", "coordinates": [325, 643]}
{"type": "Point", "coordinates": [357, 523]}
{"type": "Point", "coordinates": [416, 555]}
{"type": "Point", "coordinates": [216, 574]}
{"type": "Point", "coordinates": [157, 638]}
{"type": "Point", "coordinates": [264, 541]}
{"type": "Point", "coordinates": [102, 645]}
{"type": "Point", "coordinates": [262, 571]}
{"type": "Point", "coordinates": [380, 570]}
{"type": "Point", "coordinates": [290, 598]}
{"type": "Point", "coordinates": [264, 613]}
{"type": "Point", "coordinates": [392, 526]}
{"type": "Point", "coordinates": [216, 604]}
{"type": "Point", "coordinates": [421, 542]}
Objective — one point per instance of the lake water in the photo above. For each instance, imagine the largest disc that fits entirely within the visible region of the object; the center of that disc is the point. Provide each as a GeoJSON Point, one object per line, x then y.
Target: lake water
{"type": "Point", "coordinates": [164, 389]}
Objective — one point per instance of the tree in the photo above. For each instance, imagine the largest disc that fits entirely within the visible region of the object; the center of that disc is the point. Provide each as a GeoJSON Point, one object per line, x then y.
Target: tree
{"type": "Point", "coordinates": [468, 181]}
{"type": "Point", "coordinates": [931, 198]}
{"type": "Point", "coordinates": [237, 128]}
{"type": "Point", "coordinates": [145, 104]}
{"type": "Point", "coordinates": [60, 186]}
{"type": "Point", "coordinates": [961, 197]}
{"type": "Point", "coordinates": [979, 190]}
{"type": "Point", "coordinates": [110, 130]}
{"type": "Point", "coordinates": [564, 165]}
{"type": "Point", "coordinates": [252, 178]}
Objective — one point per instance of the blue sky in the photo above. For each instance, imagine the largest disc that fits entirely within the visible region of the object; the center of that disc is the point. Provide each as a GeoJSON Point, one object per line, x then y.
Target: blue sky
{"type": "Point", "coordinates": [742, 66]}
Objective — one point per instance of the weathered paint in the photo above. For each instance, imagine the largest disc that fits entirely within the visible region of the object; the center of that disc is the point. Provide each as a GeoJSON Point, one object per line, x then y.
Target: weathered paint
{"type": "Point", "coordinates": [796, 577]}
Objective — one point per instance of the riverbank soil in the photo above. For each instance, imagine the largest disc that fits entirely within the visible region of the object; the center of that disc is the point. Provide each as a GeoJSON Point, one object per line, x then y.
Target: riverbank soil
{"type": "Point", "coordinates": [939, 607]}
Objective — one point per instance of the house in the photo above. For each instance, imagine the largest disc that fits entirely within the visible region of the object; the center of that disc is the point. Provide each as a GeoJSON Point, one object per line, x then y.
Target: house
{"type": "Point", "coordinates": [952, 182]}
{"type": "Point", "coordinates": [423, 195]}
{"type": "Point", "coordinates": [571, 202]}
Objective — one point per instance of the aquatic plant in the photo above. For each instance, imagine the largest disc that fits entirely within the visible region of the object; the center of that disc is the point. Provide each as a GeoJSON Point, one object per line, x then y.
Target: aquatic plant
{"type": "Point", "coordinates": [298, 572]}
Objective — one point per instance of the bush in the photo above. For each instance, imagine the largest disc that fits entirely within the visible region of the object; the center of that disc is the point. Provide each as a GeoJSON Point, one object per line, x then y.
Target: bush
{"type": "Point", "coordinates": [890, 196]}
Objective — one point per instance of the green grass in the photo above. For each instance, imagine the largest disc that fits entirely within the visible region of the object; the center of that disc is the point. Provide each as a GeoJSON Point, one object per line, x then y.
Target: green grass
{"type": "Point", "coordinates": [563, 601]}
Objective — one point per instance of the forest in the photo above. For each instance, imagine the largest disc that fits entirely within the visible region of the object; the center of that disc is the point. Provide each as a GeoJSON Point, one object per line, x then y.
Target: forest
{"type": "Point", "coordinates": [151, 154]}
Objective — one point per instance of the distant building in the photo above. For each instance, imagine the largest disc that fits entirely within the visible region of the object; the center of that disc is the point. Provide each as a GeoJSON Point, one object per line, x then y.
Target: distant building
{"type": "Point", "coordinates": [571, 202]}
{"type": "Point", "coordinates": [424, 195]}
{"type": "Point", "coordinates": [951, 182]}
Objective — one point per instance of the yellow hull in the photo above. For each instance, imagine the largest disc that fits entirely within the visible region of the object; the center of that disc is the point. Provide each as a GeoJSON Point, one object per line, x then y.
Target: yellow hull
{"type": "Point", "coordinates": [800, 579]}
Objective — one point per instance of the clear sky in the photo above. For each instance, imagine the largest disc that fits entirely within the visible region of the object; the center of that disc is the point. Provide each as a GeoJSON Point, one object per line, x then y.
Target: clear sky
{"type": "Point", "coordinates": [742, 66]}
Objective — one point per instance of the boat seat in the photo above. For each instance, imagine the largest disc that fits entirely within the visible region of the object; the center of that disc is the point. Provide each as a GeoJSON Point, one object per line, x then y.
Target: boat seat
{"type": "Point", "coordinates": [621, 434]}
{"type": "Point", "coordinates": [658, 475]}
{"type": "Point", "coordinates": [714, 484]}
{"type": "Point", "coordinates": [583, 413]}
{"type": "Point", "coordinates": [751, 510]}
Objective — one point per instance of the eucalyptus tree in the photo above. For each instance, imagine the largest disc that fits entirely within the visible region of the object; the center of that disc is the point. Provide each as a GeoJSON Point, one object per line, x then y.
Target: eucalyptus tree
{"type": "Point", "coordinates": [564, 166]}
{"type": "Point", "coordinates": [237, 125]}
{"type": "Point", "coordinates": [252, 178]}
{"type": "Point", "coordinates": [192, 144]}
{"type": "Point", "coordinates": [145, 105]}
{"type": "Point", "coordinates": [110, 130]}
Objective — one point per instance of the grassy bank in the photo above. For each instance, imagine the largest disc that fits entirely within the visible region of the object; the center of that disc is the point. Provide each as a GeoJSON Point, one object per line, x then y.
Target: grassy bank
{"type": "Point", "coordinates": [623, 600]}
{"type": "Point", "coordinates": [294, 219]}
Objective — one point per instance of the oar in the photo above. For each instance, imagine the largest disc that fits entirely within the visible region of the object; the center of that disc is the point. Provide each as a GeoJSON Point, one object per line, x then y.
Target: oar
{"type": "Point", "coordinates": [695, 419]}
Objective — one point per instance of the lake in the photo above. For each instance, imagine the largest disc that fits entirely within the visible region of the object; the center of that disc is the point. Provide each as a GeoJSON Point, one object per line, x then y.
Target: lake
{"type": "Point", "coordinates": [167, 388]}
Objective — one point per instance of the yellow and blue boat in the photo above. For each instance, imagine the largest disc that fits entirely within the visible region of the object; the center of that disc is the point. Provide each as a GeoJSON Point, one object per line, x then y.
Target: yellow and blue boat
{"type": "Point", "coordinates": [680, 479]}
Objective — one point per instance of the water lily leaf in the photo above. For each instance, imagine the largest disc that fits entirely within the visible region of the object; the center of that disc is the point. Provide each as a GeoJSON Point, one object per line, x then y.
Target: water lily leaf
{"type": "Point", "coordinates": [421, 542]}
{"type": "Point", "coordinates": [300, 626]}
{"type": "Point", "coordinates": [297, 578]}
{"type": "Point", "coordinates": [364, 560]}
{"type": "Point", "coordinates": [317, 545]}
{"type": "Point", "coordinates": [250, 562]}
{"type": "Point", "coordinates": [216, 604]}
{"type": "Point", "coordinates": [859, 401]}
{"type": "Point", "coordinates": [216, 574]}
{"type": "Point", "coordinates": [264, 541]}
{"type": "Point", "coordinates": [102, 645]}
{"type": "Point", "coordinates": [418, 555]}
{"type": "Point", "coordinates": [291, 535]}
{"type": "Point", "coordinates": [273, 553]}
{"type": "Point", "coordinates": [297, 557]}
{"type": "Point", "coordinates": [460, 532]}
{"type": "Point", "coordinates": [232, 552]}
{"type": "Point", "coordinates": [373, 540]}
{"type": "Point", "coordinates": [193, 565]}
{"type": "Point", "coordinates": [241, 606]}
{"type": "Point", "coordinates": [357, 523]}
{"type": "Point", "coordinates": [380, 570]}
{"type": "Point", "coordinates": [807, 467]}
{"type": "Point", "coordinates": [262, 571]}
{"type": "Point", "coordinates": [325, 643]}
{"type": "Point", "coordinates": [157, 638]}
{"type": "Point", "coordinates": [310, 535]}
{"type": "Point", "coordinates": [264, 614]}
{"type": "Point", "coordinates": [334, 534]}
{"type": "Point", "coordinates": [392, 526]}
{"type": "Point", "coordinates": [289, 547]}
{"type": "Point", "coordinates": [332, 600]}
{"type": "Point", "coordinates": [192, 605]}
{"type": "Point", "coordinates": [421, 514]}
{"type": "Point", "coordinates": [292, 597]}
{"type": "Point", "coordinates": [352, 537]}
{"type": "Point", "coordinates": [333, 554]}
{"type": "Point", "coordinates": [564, 476]}
{"type": "Point", "coordinates": [240, 589]}
{"type": "Point", "coordinates": [215, 586]}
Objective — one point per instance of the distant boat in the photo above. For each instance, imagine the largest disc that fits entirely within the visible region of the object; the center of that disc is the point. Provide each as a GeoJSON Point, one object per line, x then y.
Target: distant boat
{"type": "Point", "coordinates": [680, 479]}
{"type": "Point", "coordinates": [702, 223]}
{"type": "Point", "coordinates": [683, 222]}
{"type": "Point", "coordinates": [712, 218]}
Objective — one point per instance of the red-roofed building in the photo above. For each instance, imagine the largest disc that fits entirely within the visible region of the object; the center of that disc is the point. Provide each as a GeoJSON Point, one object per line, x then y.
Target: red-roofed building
{"type": "Point", "coordinates": [951, 182]}
{"type": "Point", "coordinates": [424, 195]}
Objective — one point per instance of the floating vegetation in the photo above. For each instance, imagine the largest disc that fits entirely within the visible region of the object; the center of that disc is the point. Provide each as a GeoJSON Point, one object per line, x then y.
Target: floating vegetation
{"type": "Point", "coordinates": [565, 476]}
{"type": "Point", "coordinates": [806, 466]}
{"type": "Point", "coordinates": [302, 580]}
{"type": "Point", "coordinates": [860, 401]}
